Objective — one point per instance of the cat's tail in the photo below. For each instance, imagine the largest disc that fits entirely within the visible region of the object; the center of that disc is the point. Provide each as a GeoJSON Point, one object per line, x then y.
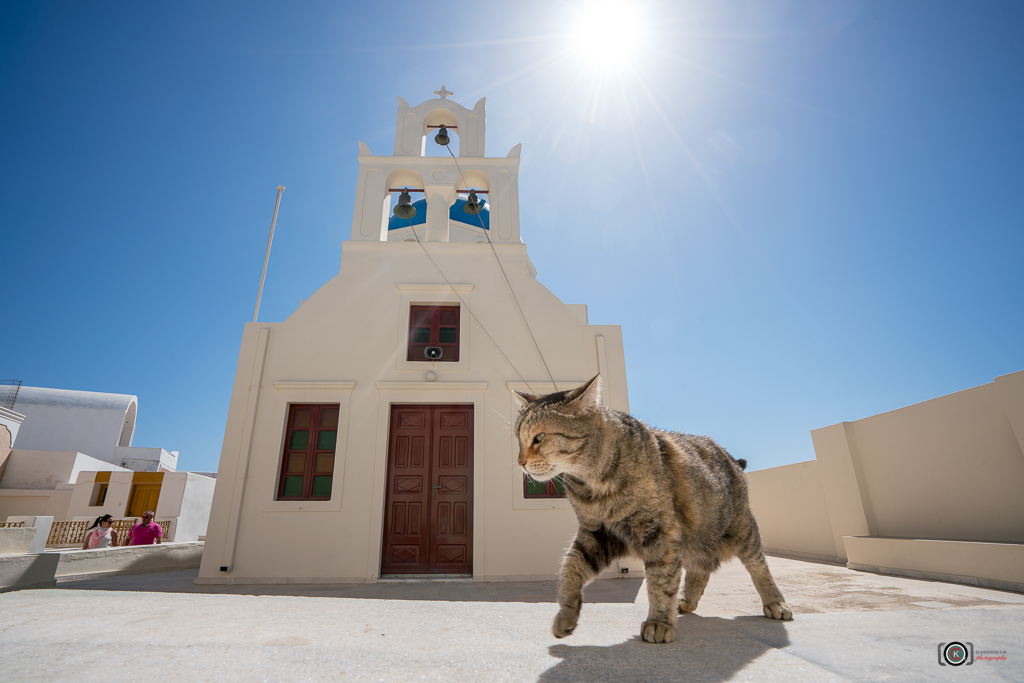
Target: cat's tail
{"type": "Point", "coordinates": [742, 463]}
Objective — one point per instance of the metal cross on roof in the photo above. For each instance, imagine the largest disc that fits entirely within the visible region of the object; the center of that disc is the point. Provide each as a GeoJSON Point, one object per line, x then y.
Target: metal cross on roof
{"type": "Point", "coordinates": [443, 92]}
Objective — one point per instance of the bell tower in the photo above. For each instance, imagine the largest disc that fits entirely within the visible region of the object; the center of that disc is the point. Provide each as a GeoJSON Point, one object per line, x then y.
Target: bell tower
{"type": "Point", "coordinates": [443, 182]}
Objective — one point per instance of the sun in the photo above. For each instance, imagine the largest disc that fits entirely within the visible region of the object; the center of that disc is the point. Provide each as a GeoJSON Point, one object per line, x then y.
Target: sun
{"type": "Point", "coordinates": [607, 35]}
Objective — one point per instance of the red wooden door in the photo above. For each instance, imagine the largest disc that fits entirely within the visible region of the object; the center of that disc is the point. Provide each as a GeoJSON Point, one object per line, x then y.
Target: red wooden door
{"type": "Point", "coordinates": [428, 505]}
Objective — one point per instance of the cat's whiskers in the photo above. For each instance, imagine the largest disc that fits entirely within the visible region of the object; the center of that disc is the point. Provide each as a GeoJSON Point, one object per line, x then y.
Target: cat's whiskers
{"type": "Point", "coordinates": [504, 418]}
{"type": "Point", "coordinates": [569, 485]}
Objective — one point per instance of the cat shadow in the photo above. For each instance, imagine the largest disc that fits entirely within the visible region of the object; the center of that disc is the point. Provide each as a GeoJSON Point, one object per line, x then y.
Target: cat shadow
{"type": "Point", "coordinates": [705, 649]}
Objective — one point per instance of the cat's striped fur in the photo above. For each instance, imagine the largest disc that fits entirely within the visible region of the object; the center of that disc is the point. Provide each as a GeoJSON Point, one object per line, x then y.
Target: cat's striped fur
{"type": "Point", "coordinates": [675, 500]}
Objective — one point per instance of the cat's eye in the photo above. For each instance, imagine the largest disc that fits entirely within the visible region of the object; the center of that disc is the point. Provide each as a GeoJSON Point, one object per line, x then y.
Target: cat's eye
{"type": "Point", "coordinates": [538, 438]}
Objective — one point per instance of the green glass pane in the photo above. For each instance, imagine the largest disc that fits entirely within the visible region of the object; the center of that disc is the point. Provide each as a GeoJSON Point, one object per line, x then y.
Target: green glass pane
{"type": "Point", "coordinates": [299, 440]}
{"type": "Point", "coordinates": [326, 440]}
{"type": "Point", "coordinates": [421, 335]}
{"type": "Point", "coordinates": [449, 335]}
{"type": "Point", "coordinates": [535, 488]}
{"type": "Point", "coordinates": [322, 486]}
{"type": "Point", "coordinates": [292, 487]}
{"type": "Point", "coordinates": [559, 486]}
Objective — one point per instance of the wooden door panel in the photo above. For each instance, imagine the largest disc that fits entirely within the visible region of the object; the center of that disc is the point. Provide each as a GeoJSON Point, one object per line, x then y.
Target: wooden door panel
{"type": "Point", "coordinates": [452, 548]}
{"type": "Point", "coordinates": [406, 542]}
{"type": "Point", "coordinates": [428, 515]}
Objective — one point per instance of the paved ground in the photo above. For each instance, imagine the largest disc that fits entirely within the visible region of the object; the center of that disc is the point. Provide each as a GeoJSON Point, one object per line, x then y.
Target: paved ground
{"type": "Point", "coordinates": [849, 626]}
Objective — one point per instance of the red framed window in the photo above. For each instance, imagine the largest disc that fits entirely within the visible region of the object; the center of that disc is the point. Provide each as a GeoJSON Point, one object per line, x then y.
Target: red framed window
{"type": "Point", "coordinates": [307, 468]}
{"type": "Point", "coordinates": [552, 488]}
{"type": "Point", "coordinates": [432, 328]}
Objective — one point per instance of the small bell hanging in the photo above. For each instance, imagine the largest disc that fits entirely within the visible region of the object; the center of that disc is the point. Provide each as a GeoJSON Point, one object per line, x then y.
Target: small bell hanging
{"type": "Point", "coordinates": [442, 136]}
{"type": "Point", "coordinates": [472, 206]}
{"type": "Point", "coordinates": [404, 207]}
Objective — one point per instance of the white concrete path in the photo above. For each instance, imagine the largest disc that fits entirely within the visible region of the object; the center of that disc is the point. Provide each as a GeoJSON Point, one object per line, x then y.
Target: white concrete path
{"type": "Point", "coordinates": [849, 626]}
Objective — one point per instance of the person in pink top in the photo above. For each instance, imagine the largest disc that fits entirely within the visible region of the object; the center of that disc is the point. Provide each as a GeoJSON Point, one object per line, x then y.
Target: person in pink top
{"type": "Point", "coordinates": [147, 532]}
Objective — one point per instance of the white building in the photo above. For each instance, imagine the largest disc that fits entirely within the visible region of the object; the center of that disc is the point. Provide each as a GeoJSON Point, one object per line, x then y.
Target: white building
{"type": "Point", "coordinates": [72, 458]}
{"type": "Point", "coordinates": [369, 434]}
{"type": "Point", "coordinates": [99, 424]}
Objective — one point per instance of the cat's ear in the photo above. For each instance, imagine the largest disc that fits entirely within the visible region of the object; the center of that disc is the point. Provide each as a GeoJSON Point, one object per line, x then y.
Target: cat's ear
{"type": "Point", "coordinates": [527, 398]}
{"type": "Point", "coordinates": [588, 395]}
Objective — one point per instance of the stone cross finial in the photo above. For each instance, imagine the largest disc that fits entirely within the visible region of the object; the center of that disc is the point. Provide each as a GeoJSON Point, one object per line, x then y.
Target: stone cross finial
{"type": "Point", "coordinates": [443, 92]}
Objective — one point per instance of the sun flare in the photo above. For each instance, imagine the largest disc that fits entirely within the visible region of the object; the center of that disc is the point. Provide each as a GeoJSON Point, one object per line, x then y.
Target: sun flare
{"type": "Point", "coordinates": [607, 35]}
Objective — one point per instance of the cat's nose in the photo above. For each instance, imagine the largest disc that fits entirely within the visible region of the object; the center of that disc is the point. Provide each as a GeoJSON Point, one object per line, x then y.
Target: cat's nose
{"type": "Point", "coordinates": [522, 459]}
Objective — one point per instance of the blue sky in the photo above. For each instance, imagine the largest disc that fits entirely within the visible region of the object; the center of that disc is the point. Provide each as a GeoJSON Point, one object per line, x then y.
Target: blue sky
{"type": "Point", "coordinates": [800, 213]}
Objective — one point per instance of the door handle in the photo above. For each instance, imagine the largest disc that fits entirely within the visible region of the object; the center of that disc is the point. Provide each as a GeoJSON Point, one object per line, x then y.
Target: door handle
{"type": "Point", "coordinates": [435, 487]}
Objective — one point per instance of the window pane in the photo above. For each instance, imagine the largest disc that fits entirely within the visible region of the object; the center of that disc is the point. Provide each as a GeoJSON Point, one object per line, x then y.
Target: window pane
{"type": "Point", "coordinates": [300, 419]}
{"type": "Point", "coordinates": [421, 317]}
{"type": "Point", "coordinates": [535, 488]}
{"type": "Point", "coordinates": [324, 463]}
{"type": "Point", "coordinates": [322, 486]}
{"type": "Point", "coordinates": [559, 486]}
{"type": "Point", "coordinates": [421, 335]}
{"type": "Point", "coordinates": [292, 487]}
{"type": "Point", "coordinates": [299, 440]}
{"type": "Point", "coordinates": [450, 317]}
{"type": "Point", "coordinates": [326, 440]}
{"type": "Point", "coordinates": [449, 335]}
{"type": "Point", "coordinates": [329, 418]}
{"type": "Point", "coordinates": [296, 463]}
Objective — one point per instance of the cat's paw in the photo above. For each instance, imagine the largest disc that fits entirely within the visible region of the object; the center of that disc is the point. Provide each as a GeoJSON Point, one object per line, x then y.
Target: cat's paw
{"type": "Point", "coordinates": [778, 610]}
{"type": "Point", "coordinates": [565, 622]}
{"type": "Point", "coordinates": [657, 632]}
{"type": "Point", "coordinates": [685, 607]}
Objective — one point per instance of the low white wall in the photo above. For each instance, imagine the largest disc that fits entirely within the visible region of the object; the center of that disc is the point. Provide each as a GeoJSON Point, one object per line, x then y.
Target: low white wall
{"type": "Point", "coordinates": [136, 559]}
{"type": "Point", "coordinates": [947, 468]}
{"type": "Point", "coordinates": [789, 505]}
{"type": "Point", "coordinates": [16, 541]}
{"type": "Point", "coordinates": [28, 571]}
{"type": "Point", "coordinates": [996, 565]}
{"type": "Point", "coordinates": [40, 525]}
{"type": "Point", "coordinates": [933, 489]}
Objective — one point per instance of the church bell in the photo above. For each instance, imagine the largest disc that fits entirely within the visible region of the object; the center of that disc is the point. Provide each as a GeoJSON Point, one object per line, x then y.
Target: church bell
{"type": "Point", "coordinates": [472, 206]}
{"type": "Point", "coordinates": [442, 136]}
{"type": "Point", "coordinates": [404, 207]}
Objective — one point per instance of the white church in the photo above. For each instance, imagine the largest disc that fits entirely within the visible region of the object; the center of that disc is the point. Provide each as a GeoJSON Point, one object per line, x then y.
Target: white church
{"type": "Point", "coordinates": [369, 434]}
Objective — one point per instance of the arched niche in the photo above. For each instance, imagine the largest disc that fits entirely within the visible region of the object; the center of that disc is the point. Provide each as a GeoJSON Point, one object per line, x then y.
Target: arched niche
{"type": "Point", "coordinates": [474, 178]}
{"type": "Point", "coordinates": [403, 177]}
{"type": "Point", "coordinates": [411, 127]}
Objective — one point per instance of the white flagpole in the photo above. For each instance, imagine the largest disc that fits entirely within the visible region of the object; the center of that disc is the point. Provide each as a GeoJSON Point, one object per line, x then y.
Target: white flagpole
{"type": "Point", "coordinates": [266, 259]}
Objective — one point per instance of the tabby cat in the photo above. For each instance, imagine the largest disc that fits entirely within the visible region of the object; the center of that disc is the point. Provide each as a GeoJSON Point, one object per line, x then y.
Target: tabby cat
{"type": "Point", "coordinates": [676, 500]}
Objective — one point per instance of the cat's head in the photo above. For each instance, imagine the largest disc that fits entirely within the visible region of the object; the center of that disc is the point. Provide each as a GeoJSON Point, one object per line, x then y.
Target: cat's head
{"type": "Point", "coordinates": [556, 430]}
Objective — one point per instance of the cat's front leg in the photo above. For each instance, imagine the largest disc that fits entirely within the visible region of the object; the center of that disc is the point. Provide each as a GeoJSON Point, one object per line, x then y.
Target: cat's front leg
{"type": "Point", "coordinates": [590, 552]}
{"type": "Point", "coordinates": [663, 576]}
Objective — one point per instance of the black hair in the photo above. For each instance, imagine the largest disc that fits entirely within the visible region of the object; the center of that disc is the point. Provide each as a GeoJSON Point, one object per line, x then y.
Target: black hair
{"type": "Point", "coordinates": [102, 518]}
